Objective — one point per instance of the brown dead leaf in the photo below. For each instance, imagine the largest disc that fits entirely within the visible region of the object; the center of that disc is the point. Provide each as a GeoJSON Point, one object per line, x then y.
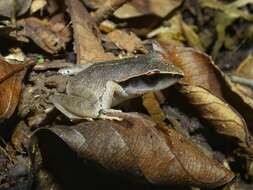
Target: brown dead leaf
{"type": "Point", "coordinates": [245, 69]}
{"type": "Point", "coordinates": [50, 36]}
{"type": "Point", "coordinates": [137, 8]}
{"type": "Point", "coordinates": [107, 9]}
{"type": "Point", "coordinates": [220, 115]}
{"type": "Point", "coordinates": [93, 4]}
{"type": "Point", "coordinates": [196, 66]}
{"type": "Point", "coordinates": [37, 5]}
{"type": "Point", "coordinates": [11, 76]}
{"type": "Point", "coordinates": [127, 41]}
{"type": "Point", "coordinates": [200, 71]}
{"type": "Point", "coordinates": [7, 7]}
{"type": "Point", "coordinates": [135, 147]}
{"type": "Point", "coordinates": [86, 35]}
{"type": "Point", "coordinates": [152, 105]}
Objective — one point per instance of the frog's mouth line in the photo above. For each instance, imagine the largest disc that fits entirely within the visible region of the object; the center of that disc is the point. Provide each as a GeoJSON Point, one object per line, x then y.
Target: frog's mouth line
{"type": "Point", "coordinates": [152, 82]}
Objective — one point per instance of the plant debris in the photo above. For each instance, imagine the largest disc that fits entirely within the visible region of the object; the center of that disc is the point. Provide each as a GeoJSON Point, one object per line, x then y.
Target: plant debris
{"type": "Point", "coordinates": [126, 94]}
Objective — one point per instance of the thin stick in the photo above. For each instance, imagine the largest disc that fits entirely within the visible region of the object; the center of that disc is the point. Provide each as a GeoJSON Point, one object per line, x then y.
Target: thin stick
{"type": "Point", "coordinates": [242, 80]}
{"type": "Point", "coordinates": [107, 10]}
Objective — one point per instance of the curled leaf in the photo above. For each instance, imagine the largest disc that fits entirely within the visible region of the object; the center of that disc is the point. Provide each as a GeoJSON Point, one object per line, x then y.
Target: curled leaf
{"type": "Point", "coordinates": [86, 34]}
{"type": "Point", "coordinates": [37, 5]}
{"type": "Point", "coordinates": [224, 119]}
{"type": "Point", "coordinates": [245, 69]}
{"type": "Point", "coordinates": [11, 76]}
{"type": "Point", "coordinates": [107, 9]}
{"type": "Point", "coordinates": [18, 6]}
{"type": "Point", "coordinates": [138, 8]}
{"type": "Point", "coordinates": [200, 70]}
{"type": "Point", "coordinates": [197, 67]}
{"type": "Point", "coordinates": [135, 147]}
{"type": "Point", "coordinates": [232, 10]}
{"type": "Point", "coordinates": [50, 36]}
{"type": "Point", "coordinates": [127, 41]}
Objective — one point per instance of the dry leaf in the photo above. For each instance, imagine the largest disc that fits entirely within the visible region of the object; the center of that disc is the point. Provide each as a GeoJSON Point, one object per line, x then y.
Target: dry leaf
{"type": "Point", "coordinates": [219, 114]}
{"type": "Point", "coordinates": [191, 36]}
{"type": "Point", "coordinates": [127, 41]}
{"type": "Point", "coordinates": [107, 26]}
{"type": "Point", "coordinates": [137, 8]}
{"type": "Point", "coordinates": [176, 29]}
{"type": "Point", "coordinates": [50, 36]}
{"type": "Point", "coordinates": [200, 70]}
{"type": "Point", "coordinates": [135, 147]}
{"type": "Point", "coordinates": [11, 76]}
{"type": "Point", "coordinates": [196, 67]}
{"type": "Point", "coordinates": [37, 5]}
{"type": "Point", "coordinates": [152, 105]}
{"type": "Point", "coordinates": [7, 7]}
{"type": "Point", "coordinates": [94, 4]}
{"type": "Point", "coordinates": [107, 9]}
{"type": "Point", "coordinates": [232, 10]}
{"type": "Point", "coordinates": [245, 68]}
{"type": "Point", "coordinates": [86, 35]}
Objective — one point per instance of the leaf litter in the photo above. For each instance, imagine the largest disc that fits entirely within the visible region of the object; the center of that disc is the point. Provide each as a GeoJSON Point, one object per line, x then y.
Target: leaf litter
{"type": "Point", "coordinates": [197, 133]}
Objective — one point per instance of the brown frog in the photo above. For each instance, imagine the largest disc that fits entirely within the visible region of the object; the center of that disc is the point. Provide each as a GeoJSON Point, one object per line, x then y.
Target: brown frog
{"type": "Point", "coordinates": [92, 92]}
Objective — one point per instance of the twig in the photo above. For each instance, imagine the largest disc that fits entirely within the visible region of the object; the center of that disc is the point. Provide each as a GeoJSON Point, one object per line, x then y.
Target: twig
{"type": "Point", "coordinates": [242, 80]}
{"type": "Point", "coordinates": [106, 10]}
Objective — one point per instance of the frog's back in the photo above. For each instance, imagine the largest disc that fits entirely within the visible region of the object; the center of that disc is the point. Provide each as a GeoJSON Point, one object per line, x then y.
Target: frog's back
{"type": "Point", "coordinates": [97, 75]}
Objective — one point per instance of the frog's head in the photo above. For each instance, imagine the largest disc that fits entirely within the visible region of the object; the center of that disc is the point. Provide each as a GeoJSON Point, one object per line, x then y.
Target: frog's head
{"type": "Point", "coordinates": [155, 76]}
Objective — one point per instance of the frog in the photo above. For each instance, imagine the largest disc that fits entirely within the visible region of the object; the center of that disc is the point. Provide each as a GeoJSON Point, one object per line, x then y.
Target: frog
{"type": "Point", "coordinates": [92, 92]}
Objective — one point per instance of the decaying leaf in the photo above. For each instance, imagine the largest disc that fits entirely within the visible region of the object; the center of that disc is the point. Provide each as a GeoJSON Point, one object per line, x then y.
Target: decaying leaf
{"type": "Point", "coordinates": [37, 5]}
{"type": "Point", "coordinates": [200, 70]}
{"type": "Point", "coordinates": [11, 76]}
{"type": "Point", "coordinates": [86, 35]}
{"type": "Point", "coordinates": [94, 4]}
{"type": "Point", "coordinates": [229, 13]}
{"type": "Point", "coordinates": [108, 7]}
{"type": "Point", "coordinates": [173, 31]}
{"type": "Point", "coordinates": [51, 37]}
{"type": "Point", "coordinates": [127, 41]}
{"type": "Point", "coordinates": [196, 66]}
{"type": "Point", "coordinates": [233, 9]}
{"type": "Point", "coordinates": [219, 114]}
{"type": "Point", "coordinates": [245, 69]}
{"type": "Point", "coordinates": [176, 29]}
{"type": "Point", "coordinates": [17, 7]}
{"type": "Point", "coordinates": [152, 105]}
{"type": "Point", "coordinates": [222, 22]}
{"type": "Point", "coordinates": [107, 26]}
{"type": "Point", "coordinates": [191, 37]}
{"type": "Point", "coordinates": [137, 8]}
{"type": "Point", "coordinates": [135, 147]}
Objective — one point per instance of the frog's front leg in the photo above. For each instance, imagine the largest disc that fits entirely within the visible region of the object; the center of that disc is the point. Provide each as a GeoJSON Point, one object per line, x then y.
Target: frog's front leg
{"type": "Point", "coordinates": [112, 89]}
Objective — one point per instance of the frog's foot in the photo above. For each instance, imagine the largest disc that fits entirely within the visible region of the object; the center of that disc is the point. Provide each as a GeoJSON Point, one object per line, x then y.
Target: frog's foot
{"type": "Point", "coordinates": [112, 118]}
